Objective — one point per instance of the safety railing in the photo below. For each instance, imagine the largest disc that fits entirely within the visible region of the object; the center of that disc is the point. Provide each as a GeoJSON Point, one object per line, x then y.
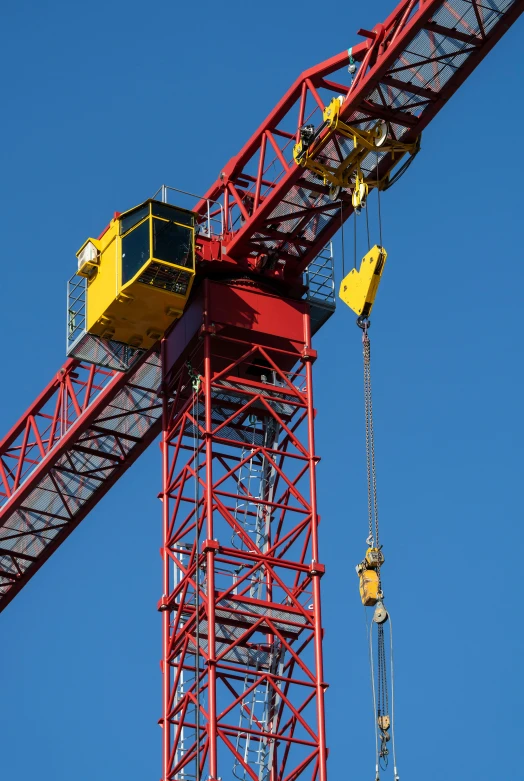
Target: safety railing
{"type": "Point", "coordinates": [76, 311]}
{"type": "Point", "coordinates": [319, 279]}
{"type": "Point", "coordinates": [211, 224]}
{"type": "Point", "coordinates": [84, 346]}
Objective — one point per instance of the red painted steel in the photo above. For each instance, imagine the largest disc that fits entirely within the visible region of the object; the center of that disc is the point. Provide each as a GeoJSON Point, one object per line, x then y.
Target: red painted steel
{"type": "Point", "coordinates": [240, 556]}
{"type": "Point", "coordinates": [239, 464]}
{"type": "Point", "coordinates": [79, 436]}
{"type": "Point", "coordinates": [408, 70]}
{"type": "Point", "coordinates": [279, 216]}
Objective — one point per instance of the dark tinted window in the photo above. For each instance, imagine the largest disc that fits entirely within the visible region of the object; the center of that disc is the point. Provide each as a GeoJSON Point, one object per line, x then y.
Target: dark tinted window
{"type": "Point", "coordinates": [135, 251]}
{"type": "Point", "coordinates": [133, 218]}
{"type": "Point", "coordinates": [172, 213]}
{"type": "Point", "coordinates": [172, 243]}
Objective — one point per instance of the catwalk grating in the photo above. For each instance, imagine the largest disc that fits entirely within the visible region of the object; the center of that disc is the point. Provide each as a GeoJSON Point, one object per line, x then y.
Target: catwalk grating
{"type": "Point", "coordinates": [79, 456]}
{"type": "Point", "coordinates": [422, 54]}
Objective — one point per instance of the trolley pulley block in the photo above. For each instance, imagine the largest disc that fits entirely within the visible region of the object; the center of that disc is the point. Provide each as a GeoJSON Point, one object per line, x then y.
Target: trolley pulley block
{"type": "Point", "coordinates": [381, 614]}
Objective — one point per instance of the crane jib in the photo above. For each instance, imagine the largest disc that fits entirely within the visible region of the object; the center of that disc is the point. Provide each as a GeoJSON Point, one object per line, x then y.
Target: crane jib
{"type": "Point", "coordinates": [90, 424]}
{"type": "Point", "coordinates": [407, 68]}
{"type": "Point", "coordinates": [405, 71]}
{"type": "Point", "coordinates": [221, 364]}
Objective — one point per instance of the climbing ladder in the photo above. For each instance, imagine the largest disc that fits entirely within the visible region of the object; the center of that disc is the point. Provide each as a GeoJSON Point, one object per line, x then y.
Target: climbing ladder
{"type": "Point", "coordinates": [258, 708]}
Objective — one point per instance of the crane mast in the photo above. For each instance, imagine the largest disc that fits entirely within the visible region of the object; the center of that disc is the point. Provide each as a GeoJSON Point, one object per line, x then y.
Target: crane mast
{"type": "Point", "coordinates": [229, 388]}
{"type": "Point", "coordinates": [242, 662]}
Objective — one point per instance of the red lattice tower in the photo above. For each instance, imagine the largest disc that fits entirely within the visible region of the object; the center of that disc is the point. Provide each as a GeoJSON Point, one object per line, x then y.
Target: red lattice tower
{"type": "Point", "coordinates": [248, 434]}
{"type": "Point", "coordinates": [245, 430]}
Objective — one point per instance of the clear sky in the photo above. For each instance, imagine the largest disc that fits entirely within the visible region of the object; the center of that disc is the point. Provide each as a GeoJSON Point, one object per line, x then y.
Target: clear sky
{"type": "Point", "coordinates": [102, 103]}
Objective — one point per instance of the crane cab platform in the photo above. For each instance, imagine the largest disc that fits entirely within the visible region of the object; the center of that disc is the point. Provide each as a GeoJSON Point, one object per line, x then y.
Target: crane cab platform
{"type": "Point", "coordinates": [131, 284]}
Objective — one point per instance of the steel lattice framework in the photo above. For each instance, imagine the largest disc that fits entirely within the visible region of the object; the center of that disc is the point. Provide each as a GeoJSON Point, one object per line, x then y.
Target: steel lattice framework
{"type": "Point", "coordinates": [80, 435]}
{"type": "Point", "coordinates": [409, 68]}
{"type": "Point", "coordinates": [230, 388]}
{"type": "Point", "coordinates": [239, 461]}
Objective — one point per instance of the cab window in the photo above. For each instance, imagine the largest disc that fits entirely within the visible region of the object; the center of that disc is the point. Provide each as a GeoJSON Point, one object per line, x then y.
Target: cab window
{"type": "Point", "coordinates": [135, 251]}
{"type": "Point", "coordinates": [172, 243]}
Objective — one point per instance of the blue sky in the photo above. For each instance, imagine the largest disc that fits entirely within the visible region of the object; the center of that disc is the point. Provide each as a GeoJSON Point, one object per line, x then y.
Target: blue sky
{"type": "Point", "coordinates": [103, 102]}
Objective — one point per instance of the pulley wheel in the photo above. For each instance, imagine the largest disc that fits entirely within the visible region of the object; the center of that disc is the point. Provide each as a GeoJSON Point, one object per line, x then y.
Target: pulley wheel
{"type": "Point", "coordinates": [381, 614]}
{"type": "Point", "coordinates": [381, 131]}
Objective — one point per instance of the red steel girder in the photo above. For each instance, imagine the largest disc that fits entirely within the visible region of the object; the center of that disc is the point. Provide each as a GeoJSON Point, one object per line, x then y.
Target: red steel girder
{"type": "Point", "coordinates": [241, 591]}
{"type": "Point", "coordinates": [242, 634]}
{"type": "Point", "coordinates": [45, 488]}
{"type": "Point", "coordinates": [74, 442]}
{"type": "Point", "coordinates": [409, 68]}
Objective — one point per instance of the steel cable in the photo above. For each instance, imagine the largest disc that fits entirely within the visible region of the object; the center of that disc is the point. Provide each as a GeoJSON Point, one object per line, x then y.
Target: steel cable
{"type": "Point", "coordinates": [367, 226]}
{"type": "Point", "coordinates": [354, 240]}
{"type": "Point", "coordinates": [369, 634]}
{"type": "Point", "coordinates": [379, 678]}
{"type": "Point", "coordinates": [374, 532]}
{"type": "Point", "coordinates": [342, 237]}
{"type": "Point", "coordinates": [391, 661]}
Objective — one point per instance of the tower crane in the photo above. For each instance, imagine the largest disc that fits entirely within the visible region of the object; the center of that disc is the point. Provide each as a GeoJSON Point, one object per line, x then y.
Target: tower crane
{"type": "Point", "coordinates": [196, 325]}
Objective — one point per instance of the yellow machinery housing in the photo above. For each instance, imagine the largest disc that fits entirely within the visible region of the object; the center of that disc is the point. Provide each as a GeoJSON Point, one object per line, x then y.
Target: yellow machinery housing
{"type": "Point", "coordinates": [369, 580]}
{"type": "Point", "coordinates": [139, 273]}
{"type": "Point", "coordinates": [374, 558]}
{"type": "Point", "coordinates": [368, 587]}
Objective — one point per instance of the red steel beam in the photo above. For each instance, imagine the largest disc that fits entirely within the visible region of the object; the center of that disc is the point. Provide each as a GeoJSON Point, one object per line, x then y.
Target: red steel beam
{"type": "Point", "coordinates": [242, 661]}
{"type": "Point", "coordinates": [89, 425]}
{"type": "Point", "coordinates": [390, 81]}
{"type": "Point", "coordinates": [242, 630]}
{"type": "Point", "coordinates": [79, 436]}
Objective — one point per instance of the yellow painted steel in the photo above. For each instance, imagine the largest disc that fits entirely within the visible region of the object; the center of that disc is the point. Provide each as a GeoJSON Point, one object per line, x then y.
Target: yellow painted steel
{"type": "Point", "coordinates": [310, 154]}
{"type": "Point", "coordinates": [368, 587]}
{"type": "Point", "coordinates": [132, 296]}
{"type": "Point", "coordinates": [359, 288]}
{"type": "Point", "coordinates": [360, 191]}
{"type": "Point", "coordinates": [374, 558]}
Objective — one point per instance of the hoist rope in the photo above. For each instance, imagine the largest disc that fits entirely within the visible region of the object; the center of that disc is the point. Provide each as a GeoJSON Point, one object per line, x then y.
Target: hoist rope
{"type": "Point", "coordinates": [355, 240]}
{"type": "Point", "coordinates": [369, 640]}
{"type": "Point", "coordinates": [342, 237]}
{"type": "Point", "coordinates": [375, 698]}
{"type": "Point", "coordinates": [374, 535]}
{"type": "Point", "coordinates": [383, 695]}
{"type": "Point", "coordinates": [375, 692]}
{"type": "Point", "coordinates": [392, 667]}
{"type": "Point", "coordinates": [379, 210]}
{"type": "Point", "coordinates": [383, 720]}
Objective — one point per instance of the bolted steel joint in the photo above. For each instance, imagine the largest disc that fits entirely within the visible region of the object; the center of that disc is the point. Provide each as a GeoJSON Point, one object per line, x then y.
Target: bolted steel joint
{"type": "Point", "coordinates": [317, 569]}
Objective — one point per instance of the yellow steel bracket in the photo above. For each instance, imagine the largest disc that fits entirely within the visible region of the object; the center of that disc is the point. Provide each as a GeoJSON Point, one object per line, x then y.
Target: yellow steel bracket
{"type": "Point", "coordinates": [309, 153]}
{"type": "Point", "coordinates": [359, 288]}
{"type": "Point", "coordinates": [360, 191]}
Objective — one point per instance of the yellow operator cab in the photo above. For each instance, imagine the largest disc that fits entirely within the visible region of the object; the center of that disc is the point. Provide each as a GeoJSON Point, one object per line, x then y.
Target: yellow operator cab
{"type": "Point", "coordinates": [139, 274]}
